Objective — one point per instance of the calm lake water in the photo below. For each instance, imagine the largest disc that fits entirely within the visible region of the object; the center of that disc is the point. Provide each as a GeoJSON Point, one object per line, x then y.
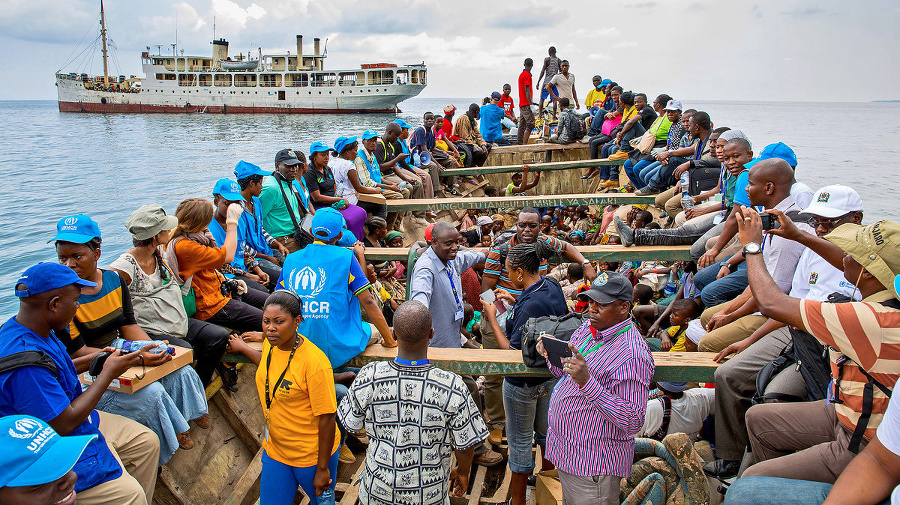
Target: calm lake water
{"type": "Point", "coordinates": [108, 165]}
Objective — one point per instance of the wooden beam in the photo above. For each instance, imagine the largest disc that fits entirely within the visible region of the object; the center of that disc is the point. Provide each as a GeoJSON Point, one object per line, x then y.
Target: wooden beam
{"type": "Point", "coordinates": [477, 486]}
{"type": "Point", "coordinates": [670, 366]}
{"type": "Point", "coordinates": [171, 484]}
{"type": "Point", "coordinates": [233, 414]}
{"type": "Point", "coordinates": [437, 204]}
{"type": "Point", "coordinates": [591, 252]}
{"type": "Point", "coordinates": [535, 167]}
{"type": "Point", "coordinates": [247, 482]}
{"type": "Point", "coordinates": [536, 148]}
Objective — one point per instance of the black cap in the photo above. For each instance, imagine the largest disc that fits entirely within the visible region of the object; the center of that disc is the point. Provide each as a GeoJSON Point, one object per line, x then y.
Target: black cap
{"type": "Point", "coordinates": [287, 156]}
{"type": "Point", "coordinates": [609, 287]}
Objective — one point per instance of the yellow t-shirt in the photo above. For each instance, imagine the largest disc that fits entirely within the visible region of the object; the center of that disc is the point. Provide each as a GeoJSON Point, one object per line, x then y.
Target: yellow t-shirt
{"type": "Point", "coordinates": [594, 97]}
{"type": "Point", "coordinates": [678, 346]}
{"type": "Point", "coordinates": [307, 391]}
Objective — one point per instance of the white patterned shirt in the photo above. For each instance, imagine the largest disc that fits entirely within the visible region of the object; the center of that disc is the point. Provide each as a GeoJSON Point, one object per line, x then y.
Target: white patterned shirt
{"type": "Point", "coordinates": [414, 416]}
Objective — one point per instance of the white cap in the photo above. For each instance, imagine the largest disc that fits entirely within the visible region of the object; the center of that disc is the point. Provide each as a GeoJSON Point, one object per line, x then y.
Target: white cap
{"type": "Point", "coordinates": [674, 105]}
{"type": "Point", "coordinates": [834, 201]}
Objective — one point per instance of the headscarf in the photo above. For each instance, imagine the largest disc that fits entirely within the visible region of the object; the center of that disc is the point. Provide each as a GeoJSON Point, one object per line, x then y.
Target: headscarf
{"type": "Point", "coordinates": [391, 235]}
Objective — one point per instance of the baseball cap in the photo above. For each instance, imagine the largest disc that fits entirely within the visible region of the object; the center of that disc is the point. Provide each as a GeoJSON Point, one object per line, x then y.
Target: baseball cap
{"type": "Point", "coordinates": [148, 221]}
{"type": "Point", "coordinates": [876, 247]}
{"type": "Point", "coordinates": [287, 156]}
{"type": "Point", "coordinates": [33, 453]}
{"type": "Point", "coordinates": [79, 229]}
{"type": "Point", "coordinates": [45, 277]}
{"type": "Point", "coordinates": [449, 108]}
{"type": "Point", "coordinates": [672, 387]}
{"type": "Point", "coordinates": [609, 287]}
{"type": "Point", "coordinates": [673, 105]}
{"type": "Point", "coordinates": [244, 169]}
{"type": "Point", "coordinates": [369, 134]}
{"type": "Point", "coordinates": [778, 150]}
{"type": "Point", "coordinates": [343, 142]}
{"type": "Point", "coordinates": [327, 223]}
{"type": "Point", "coordinates": [605, 82]}
{"type": "Point", "coordinates": [228, 190]}
{"type": "Point", "coordinates": [428, 230]}
{"type": "Point", "coordinates": [319, 147]}
{"type": "Point", "coordinates": [834, 201]}
{"type": "Point", "coordinates": [496, 95]}
{"type": "Point", "coordinates": [402, 123]}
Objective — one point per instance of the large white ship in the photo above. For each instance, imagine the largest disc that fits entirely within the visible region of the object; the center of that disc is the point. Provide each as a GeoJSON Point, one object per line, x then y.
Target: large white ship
{"type": "Point", "coordinates": [271, 83]}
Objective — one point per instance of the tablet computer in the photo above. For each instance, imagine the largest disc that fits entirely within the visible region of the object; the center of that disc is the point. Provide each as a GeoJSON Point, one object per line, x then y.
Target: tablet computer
{"type": "Point", "coordinates": [556, 350]}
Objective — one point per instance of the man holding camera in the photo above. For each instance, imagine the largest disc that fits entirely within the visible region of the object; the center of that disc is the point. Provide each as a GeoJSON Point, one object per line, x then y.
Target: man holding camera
{"type": "Point", "coordinates": [280, 202]}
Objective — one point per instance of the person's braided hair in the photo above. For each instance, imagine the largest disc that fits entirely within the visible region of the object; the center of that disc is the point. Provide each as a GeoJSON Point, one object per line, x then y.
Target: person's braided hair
{"type": "Point", "coordinates": [529, 257]}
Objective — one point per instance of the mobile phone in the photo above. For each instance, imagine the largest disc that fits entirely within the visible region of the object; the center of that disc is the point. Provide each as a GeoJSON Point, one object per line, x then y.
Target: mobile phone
{"type": "Point", "coordinates": [556, 350]}
{"type": "Point", "coordinates": [489, 296]}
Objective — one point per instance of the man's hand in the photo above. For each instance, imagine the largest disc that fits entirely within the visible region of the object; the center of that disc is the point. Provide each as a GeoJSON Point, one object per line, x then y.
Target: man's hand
{"type": "Point", "coordinates": [719, 320]}
{"type": "Point", "coordinates": [666, 342]}
{"type": "Point", "coordinates": [388, 343]}
{"type": "Point", "coordinates": [724, 270]}
{"type": "Point", "coordinates": [281, 248]}
{"type": "Point", "coordinates": [151, 359]}
{"type": "Point", "coordinates": [322, 481]}
{"type": "Point", "coordinates": [619, 138]}
{"type": "Point", "coordinates": [663, 155]}
{"type": "Point", "coordinates": [654, 329]}
{"type": "Point", "coordinates": [693, 212]}
{"type": "Point", "coordinates": [590, 273]}
{"type": "Point", "coordinates": [399, 157]}
{"type": "Point", "coordinates": [786, 228]}
{"type": "Point", "coordinates": [708, 258]}
{"type": "Point", "coordinates": [393, 187]}
{"type": "Point", "coordinates": [749, 225]}
{"type": "Point", "coordinates": [459, 482]}
{"type": "Point", "coordinates": [682, 169]}
{"type": "Point", "coordinates": [735, 348]}
{"type": "Point", "coordinates": [263, 278]}
{"type": "Point", "coordinates": [525, 169]}
{"type": "Point", "coordinates": [576, 367]}
{"type": "Point", "coordinates": [252, 336]}
{"type": "Point", "coordinates": [117, 363]}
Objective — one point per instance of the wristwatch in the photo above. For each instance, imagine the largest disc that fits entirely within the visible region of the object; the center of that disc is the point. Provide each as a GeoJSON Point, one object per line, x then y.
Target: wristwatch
{"type": "Point", "coordinates": [752, 248]}
{"type": "Point", "coordinates": [586, 262]}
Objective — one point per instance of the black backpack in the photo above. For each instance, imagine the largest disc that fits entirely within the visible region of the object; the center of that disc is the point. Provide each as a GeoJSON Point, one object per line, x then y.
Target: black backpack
{"type": "Point", "coordinates": [558, 327]}
{"type": "Point", "coordinates": [703, 179]}
{"type": "Point", "coordinates": [575, 127]}
{"type": "Point", "coordinates": [810, 357]}
{"type": "Point", "coordinates": [28, 358]}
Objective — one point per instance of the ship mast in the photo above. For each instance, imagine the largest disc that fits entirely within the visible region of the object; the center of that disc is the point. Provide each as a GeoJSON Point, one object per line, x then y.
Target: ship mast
{"type": "Point", "coordinates": [103, 38]}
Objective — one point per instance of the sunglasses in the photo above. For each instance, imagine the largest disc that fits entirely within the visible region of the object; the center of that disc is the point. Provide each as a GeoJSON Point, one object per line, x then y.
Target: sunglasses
{"type": "Point", "coordinates": [827, 224]}
{"type": "Point", "coordinates": [528, 225]}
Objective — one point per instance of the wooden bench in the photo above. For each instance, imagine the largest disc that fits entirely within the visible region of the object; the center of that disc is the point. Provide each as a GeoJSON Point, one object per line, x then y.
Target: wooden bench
{"type": "Point", "coordinates": [537, 167]}
{"type": "Point", "coordinates": [538, 148]}
{"type": "Point", "coordinates": [591, 252]}
{"type": "Point", "coordinates": [670, 366]}
{"type": "Point", "coordinates": [437, 204]}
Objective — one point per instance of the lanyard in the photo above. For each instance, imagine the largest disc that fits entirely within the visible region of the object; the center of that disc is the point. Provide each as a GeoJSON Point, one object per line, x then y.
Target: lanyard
{"type": "Point", "coordinates": [592, 349]}
{"type": "Point", "coordinates": [270, 399]}
{"type": "Point", "coordinates": [415, 362]}
{"type": "Point", "coordinates": [453, 287]}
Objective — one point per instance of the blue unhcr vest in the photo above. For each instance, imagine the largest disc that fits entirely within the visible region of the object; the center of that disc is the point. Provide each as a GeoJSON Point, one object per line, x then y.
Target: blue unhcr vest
{"type": "Point", "coordinates": [320, 274]}
{"type": "Point", "coordinates": [250, 229]}
{"type": "Point", "coordinates": [219, 234]}
{"type": "Point", "coordinates": [374, 169]}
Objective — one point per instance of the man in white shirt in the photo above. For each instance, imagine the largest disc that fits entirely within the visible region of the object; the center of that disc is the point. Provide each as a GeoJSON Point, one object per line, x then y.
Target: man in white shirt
{"type": "Point", "coordinates": [563, 85]}
{"type": "Point", "coordinates": [687, 411]}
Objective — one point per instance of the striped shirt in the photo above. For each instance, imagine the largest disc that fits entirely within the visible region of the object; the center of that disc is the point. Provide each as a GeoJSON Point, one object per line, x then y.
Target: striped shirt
{"type": "Point", "coordinates": [493, 268]}
{"type": "Point", "coordinates": [868, 333]}
{"type": "Point", "coordinates": [591, 429]}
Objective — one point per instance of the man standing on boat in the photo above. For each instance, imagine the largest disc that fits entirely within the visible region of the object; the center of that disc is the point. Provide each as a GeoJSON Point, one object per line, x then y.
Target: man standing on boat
{"type": "Point", "coordinates": [550, 69]}
{"type": "Point", "coordinates": [526, 116]}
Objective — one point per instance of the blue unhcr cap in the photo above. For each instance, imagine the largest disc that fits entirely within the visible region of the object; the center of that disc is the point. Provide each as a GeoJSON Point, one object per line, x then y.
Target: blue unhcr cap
{"type": "Point", "coordinates": [343, 142]}
{"type": "Point", "coordinates": [327, 223]}
{"type": "Point", "coordinates": [34, 454]}
{"type": "Point", "coordinates": [45, 277]}
{"type": "Point", "coordinates": [319, 147]}
{"type": "Point", "coordinates": [79, 229]}
{"type": "Point", "coordinates": [606, 82]}
{"type": "Point", "coordinates": [229, 190]}
{"type": "Point", "coordinates": [369, 134]}
{"type": "Point", "coordinates": [402, 123]}
{"type": "Point", "coordinates": [779, 150]}
{"type": "Point", "coordinates": [244, 169]}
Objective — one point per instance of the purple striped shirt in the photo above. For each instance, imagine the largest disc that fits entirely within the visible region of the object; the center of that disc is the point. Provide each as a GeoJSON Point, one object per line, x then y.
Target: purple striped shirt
{"type": "Point", "coordinates": [591, 428]}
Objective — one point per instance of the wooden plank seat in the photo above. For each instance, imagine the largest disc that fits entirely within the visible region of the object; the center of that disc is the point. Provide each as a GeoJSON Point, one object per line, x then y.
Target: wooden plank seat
{"type": "Point", "coordinates": [670, 366]}
{"type": "Point", "coordinates": [437, 204]}
{"type": "Point", "coordinates": [535, 167]}
{"type": "Point", "coordinates": [591, 252]}
{"type": "Point", "coordinates": [537, 148]}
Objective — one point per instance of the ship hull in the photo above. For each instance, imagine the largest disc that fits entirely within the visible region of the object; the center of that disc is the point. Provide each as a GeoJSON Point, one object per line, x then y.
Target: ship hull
{"type": "Point", "coordinates": [74, 97]}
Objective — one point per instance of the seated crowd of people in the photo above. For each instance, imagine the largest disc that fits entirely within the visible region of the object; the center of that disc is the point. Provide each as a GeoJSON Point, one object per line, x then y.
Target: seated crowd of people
{"type": "Point", "coordinates": [792, 291]}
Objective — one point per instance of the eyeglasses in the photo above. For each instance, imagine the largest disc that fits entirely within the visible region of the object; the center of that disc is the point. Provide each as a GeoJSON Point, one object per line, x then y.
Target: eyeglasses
{"type": "Point", "coordinates": [827, 224]}
{"type": "Point", "coordinates": [528, 225]}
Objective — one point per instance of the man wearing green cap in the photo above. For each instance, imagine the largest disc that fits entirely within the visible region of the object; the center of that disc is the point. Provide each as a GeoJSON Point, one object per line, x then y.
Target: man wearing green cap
{"type": "Point", "coordinates": [816, 440]}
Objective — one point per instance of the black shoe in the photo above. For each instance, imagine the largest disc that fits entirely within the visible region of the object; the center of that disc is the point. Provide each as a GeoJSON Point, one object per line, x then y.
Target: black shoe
{"type": "Point", "coordinates": [229, 376]}
{"type": "Point", "coordinates": [626, 233]}
{"type": "Point", "coordinates": [721, 468]}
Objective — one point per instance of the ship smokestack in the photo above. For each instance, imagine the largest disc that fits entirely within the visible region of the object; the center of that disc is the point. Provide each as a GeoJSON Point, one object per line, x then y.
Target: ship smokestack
{"type": "Point", "coordinates": [220, 50]}
{"type": "Point", "coordinates": [316, 45]}
{"type": "Point", "coordinates": [299, 51]}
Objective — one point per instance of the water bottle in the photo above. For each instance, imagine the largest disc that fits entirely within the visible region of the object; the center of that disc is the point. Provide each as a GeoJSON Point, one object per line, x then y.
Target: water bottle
{"type": "Point", "coordinates": [686, 201]}
{"type": "Point", "coordinates": [326, 498]}
{"type": "Point", "coordinates": [403, 185]}
{"type": "Point", "coordinates": [136, 345]}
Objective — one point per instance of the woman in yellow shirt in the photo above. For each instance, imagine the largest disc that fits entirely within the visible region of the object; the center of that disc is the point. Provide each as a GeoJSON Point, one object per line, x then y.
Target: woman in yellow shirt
{"type": "Point", "coordinates": [296, 389]}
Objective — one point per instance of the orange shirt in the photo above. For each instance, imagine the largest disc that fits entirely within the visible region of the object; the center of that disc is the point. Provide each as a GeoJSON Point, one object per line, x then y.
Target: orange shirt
{"type": "Point", "coordinates": [201, 262]}
{"type": "Point", "coordinates": [307, 391]}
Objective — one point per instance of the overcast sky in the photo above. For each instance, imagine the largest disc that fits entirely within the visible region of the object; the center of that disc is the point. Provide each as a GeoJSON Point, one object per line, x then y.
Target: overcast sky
{"type": "Point", "coordinates": [812, 50]}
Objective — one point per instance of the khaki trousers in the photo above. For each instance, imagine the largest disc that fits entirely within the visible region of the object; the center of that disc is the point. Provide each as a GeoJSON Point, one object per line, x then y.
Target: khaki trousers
{"type": "Point", "coordinates": [137, 450]}
{"type": "Point", "coordinates": [798, 441]}
{"type": "Point", "coordinates": [415, 190]}
{"type": "Point", "coordinates": [289, 242]}
{"type": "Point", "coordinates": [393, 195]}
{"type": "Point", "coordinates": [669, 201]}
{"type": "Point", "coordinates": [735, 331]}
{"type": "Point", "coordinates": [493, 386]}
{"type": "Point", "coordinates": [597, 490]}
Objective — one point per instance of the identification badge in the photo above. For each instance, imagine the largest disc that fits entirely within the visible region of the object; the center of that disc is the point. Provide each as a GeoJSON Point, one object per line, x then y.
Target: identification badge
{"type": "Point", "coordinates": [458, 315]}
{"type": "Point", "coordinates": [266, 433]}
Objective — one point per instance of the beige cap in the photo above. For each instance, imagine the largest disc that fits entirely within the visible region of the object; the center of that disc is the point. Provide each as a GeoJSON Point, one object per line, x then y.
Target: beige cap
{"type": "Point", "coordinates": [876, 247]}
{"type": "Point", "coordinates": [148, 221]}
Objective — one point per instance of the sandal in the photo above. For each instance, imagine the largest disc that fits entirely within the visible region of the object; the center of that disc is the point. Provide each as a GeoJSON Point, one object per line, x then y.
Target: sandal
{"type": "Point", "coordinates": [184, 441]}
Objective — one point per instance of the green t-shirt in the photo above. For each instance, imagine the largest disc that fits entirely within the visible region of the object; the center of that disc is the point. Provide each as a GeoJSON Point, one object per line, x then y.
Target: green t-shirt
{"type": "Point", "coordinates": [663, 132]}
{"type": "Point", "coordinates": [276, 220]}
{"type": "Point", "coordinates": [730, 185]}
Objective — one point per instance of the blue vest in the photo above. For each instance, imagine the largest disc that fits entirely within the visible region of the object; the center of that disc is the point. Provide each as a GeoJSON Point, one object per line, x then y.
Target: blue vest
{"type": "Point", "coordinates": [374, 169]}
{"type": "Point", "coordinates": [218, 233]}
{"type": "Point", "coordinates": [250, 229]}
{"type": "Point", "coordinates": [320, 274]}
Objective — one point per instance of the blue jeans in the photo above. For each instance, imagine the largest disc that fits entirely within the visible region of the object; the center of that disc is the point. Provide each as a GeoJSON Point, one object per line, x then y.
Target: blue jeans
{"type": "Point", "coordinates": [716, 291]}
{"type": "Point", "coordinates": [340, 391]}
{"type": "Point", "coordinates": [502, 141]}
{"type": "Point", "coordinates": [597, 123]}
{"type": "Point", "coordinates": [526, 420]}
{"type": "Point", "coordinates": [778, 491]}
{"type": "Point", "coordinates": [634, 169]}
{"type": "Point", "coordinates": [278, 482]}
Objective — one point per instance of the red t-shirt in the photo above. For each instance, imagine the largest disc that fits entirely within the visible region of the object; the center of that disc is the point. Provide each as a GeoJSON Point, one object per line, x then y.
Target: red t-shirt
{"type": "Point", "coordinates": [506, 103]}
{"type": "Point", "coordinates": [524, 83]}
